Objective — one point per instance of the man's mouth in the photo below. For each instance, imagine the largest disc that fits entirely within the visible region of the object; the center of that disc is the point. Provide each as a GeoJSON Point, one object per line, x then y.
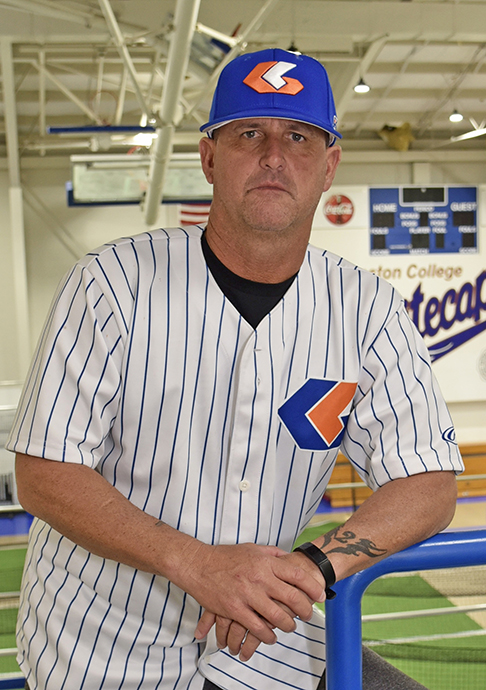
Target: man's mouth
{"type": "Point", "coordinates": [270, 186]}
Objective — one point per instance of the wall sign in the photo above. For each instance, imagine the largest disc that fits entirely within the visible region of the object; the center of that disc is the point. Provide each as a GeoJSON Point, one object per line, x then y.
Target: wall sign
{"type": "Point", "coordinates": [338, 209]}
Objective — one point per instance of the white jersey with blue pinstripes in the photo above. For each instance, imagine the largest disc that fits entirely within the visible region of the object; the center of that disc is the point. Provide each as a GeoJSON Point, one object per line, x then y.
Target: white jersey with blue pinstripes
{"type": "Point", "coordinates": [146, 372]}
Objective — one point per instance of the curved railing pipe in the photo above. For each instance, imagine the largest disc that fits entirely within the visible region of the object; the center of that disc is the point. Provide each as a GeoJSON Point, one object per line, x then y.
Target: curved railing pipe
{"type": "Point", "coordinates": [450, 549]}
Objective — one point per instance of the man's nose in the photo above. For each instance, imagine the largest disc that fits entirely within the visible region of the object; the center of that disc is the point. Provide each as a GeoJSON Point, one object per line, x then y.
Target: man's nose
{"type": "Point", "coordinates": [273, 153]}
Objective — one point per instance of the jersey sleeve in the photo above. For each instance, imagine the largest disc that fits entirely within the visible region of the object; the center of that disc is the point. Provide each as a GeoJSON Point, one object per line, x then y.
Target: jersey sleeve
{"type": "Point", "coordinates": [71, 394]}
{"type": "Point", "coordinates": [400, 424]}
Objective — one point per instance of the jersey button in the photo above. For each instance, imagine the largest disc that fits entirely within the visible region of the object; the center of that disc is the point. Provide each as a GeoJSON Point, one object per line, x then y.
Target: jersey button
{"type": "Point", "coordinates": [244, 485]}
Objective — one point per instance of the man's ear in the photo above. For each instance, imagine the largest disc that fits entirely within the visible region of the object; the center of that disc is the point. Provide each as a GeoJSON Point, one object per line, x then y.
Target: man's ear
{"type": "Point", "coordinates": [333, 158]}
{"type": "Point", "coordinates": [206, 151]}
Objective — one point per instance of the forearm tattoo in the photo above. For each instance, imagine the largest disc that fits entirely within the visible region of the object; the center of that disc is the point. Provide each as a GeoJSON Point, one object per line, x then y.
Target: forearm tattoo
{"type": "Point", "coordinates": [352, 546]}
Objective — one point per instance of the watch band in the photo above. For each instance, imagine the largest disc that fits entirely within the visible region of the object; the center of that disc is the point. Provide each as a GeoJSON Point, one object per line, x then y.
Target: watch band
{"type": "Point", "coordinates": [323, 563]}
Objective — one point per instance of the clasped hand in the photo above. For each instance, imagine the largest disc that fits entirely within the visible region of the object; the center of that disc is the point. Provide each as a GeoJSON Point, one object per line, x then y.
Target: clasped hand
{"type": "Point", "coordinates": [248, 590]}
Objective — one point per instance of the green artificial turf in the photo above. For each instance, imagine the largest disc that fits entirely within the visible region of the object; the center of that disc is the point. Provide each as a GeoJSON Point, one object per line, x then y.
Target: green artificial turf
{"type": "Point", "coordinates": [11, 566]}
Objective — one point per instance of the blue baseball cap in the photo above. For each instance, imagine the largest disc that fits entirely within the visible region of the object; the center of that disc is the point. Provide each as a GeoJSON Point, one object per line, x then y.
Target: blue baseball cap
{"type": "Point", "coordinates": [274, 83]}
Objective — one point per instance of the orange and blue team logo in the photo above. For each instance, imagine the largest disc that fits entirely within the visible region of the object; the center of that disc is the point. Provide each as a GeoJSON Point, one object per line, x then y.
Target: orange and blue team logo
{"type": "Point", "coordinates": [268, 77]}
{"type": "Point", "coordinates": [317, 413]}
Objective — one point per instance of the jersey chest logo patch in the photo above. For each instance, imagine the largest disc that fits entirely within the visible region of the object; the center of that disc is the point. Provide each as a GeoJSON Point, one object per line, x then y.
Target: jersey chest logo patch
{"type": "Point", "coordinates": [316, 414]}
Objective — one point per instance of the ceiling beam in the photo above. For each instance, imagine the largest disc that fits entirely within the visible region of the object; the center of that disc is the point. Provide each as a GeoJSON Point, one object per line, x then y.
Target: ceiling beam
{"type": "Point", "coordinates": [42, 96]}
{"type": "Point", "coordinates": [16, 221]}
{"type": "Point", "coordinates": [367, 21]}
{"type": "Point", "coordinates": [184, 24]}
{"type": "Point", "coordinates": [124, 53]}
{"type": "Point", "coordinates": [239, 46]}
{"type": "Point", "coordinates": [343, 86]}
{"type": "Point", "coordinates": [322, 24]}
{"type": "Point", "coordinates": [380, 67]}
{"type": "Point", "coordinates": [73, 15]}
{"type": "Point", "coordinates": [427, 118]}
{"type": "Point", "coordinates": [68, 93]}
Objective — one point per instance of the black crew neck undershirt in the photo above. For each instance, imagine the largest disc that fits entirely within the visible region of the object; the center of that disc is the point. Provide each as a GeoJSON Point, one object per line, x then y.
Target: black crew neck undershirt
{"type": "Point", "coordinates": [253, 300]}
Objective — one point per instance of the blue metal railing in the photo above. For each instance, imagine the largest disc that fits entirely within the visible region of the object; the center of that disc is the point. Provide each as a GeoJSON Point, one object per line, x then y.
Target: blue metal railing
{"type": "Point", "coordinates": [11, 683]}
{"type": "Point", "coordinates": [451, 549]}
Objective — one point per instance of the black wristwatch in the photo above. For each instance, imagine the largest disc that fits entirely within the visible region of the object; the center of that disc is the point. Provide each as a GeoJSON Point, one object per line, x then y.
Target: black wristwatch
{"type": "Point", "coordinates": [323, 563]}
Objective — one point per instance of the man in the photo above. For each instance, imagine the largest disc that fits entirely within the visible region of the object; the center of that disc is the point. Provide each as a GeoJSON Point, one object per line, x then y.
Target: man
{"type": "Point", "coordinates": [184, 411]}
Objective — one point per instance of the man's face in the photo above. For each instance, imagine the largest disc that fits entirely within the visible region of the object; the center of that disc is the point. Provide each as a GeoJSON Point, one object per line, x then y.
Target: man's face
{"type": "Point", "coordinates": [268, 174]}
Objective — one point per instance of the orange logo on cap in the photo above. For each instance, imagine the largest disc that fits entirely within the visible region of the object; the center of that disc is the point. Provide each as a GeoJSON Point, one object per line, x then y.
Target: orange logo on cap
{"type": "Point", "coordinates": [267, 77]}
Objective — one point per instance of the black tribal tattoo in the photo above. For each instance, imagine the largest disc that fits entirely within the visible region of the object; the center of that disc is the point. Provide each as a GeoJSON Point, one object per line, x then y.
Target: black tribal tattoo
{"type": "Point", "coordinates": [350, 547]}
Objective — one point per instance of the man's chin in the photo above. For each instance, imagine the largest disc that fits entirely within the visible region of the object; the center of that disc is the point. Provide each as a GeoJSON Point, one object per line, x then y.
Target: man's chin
{"type": "Point", "coordinates": [270, 225]}
{"type": "Point", "coordinates": [271, 217]}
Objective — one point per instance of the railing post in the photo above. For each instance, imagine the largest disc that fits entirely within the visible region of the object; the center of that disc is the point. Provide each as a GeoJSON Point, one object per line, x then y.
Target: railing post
{"type": "Point", "coordinates": [451, 549]}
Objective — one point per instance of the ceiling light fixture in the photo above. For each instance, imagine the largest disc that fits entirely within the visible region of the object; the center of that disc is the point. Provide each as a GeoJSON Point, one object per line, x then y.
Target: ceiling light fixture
{"type": "Point", "coordinates": [361, 87]}
{"type": "Point", "coordinates": [456, 116]}
{"type": "Point", "coordinates": [144, 139]}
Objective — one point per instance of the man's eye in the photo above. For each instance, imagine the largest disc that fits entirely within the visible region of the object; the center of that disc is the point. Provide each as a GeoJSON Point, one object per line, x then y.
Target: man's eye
{"type": "Point", "coordinates": [297, 137]}
{"type": "Point", "coordinates": [250, 134]}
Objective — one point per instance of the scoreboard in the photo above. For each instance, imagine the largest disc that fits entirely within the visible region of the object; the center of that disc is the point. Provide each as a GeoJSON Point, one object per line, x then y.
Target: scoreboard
{"type": "Point", "coordinates": [423, 220]}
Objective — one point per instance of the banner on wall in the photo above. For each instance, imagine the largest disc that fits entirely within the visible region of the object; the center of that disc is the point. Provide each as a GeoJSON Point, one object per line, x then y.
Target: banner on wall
{"type": "Point", "coordinates": [441, 275]}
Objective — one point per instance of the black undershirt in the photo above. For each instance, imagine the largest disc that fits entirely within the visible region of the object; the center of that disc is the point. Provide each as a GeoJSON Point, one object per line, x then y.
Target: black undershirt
{"type": "Point", "coordinates": [253, 300]}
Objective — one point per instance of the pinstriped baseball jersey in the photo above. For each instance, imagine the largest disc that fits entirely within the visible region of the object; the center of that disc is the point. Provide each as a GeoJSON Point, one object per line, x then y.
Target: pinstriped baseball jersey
{"type": "Point", "coordinates": [146, 372]}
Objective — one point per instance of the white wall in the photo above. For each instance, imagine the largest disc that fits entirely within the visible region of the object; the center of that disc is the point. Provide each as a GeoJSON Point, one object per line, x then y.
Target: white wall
{"type": "Point", "coordinates": [56, 235]}
{"type": "Point", "coordinates": [401, 171]}
{"type": "Point", "coordinates": [8, 357]}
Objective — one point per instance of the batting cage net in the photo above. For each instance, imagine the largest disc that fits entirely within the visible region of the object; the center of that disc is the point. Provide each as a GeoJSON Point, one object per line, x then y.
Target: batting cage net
{"type": "Point", "coordinates": [431, 625]}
